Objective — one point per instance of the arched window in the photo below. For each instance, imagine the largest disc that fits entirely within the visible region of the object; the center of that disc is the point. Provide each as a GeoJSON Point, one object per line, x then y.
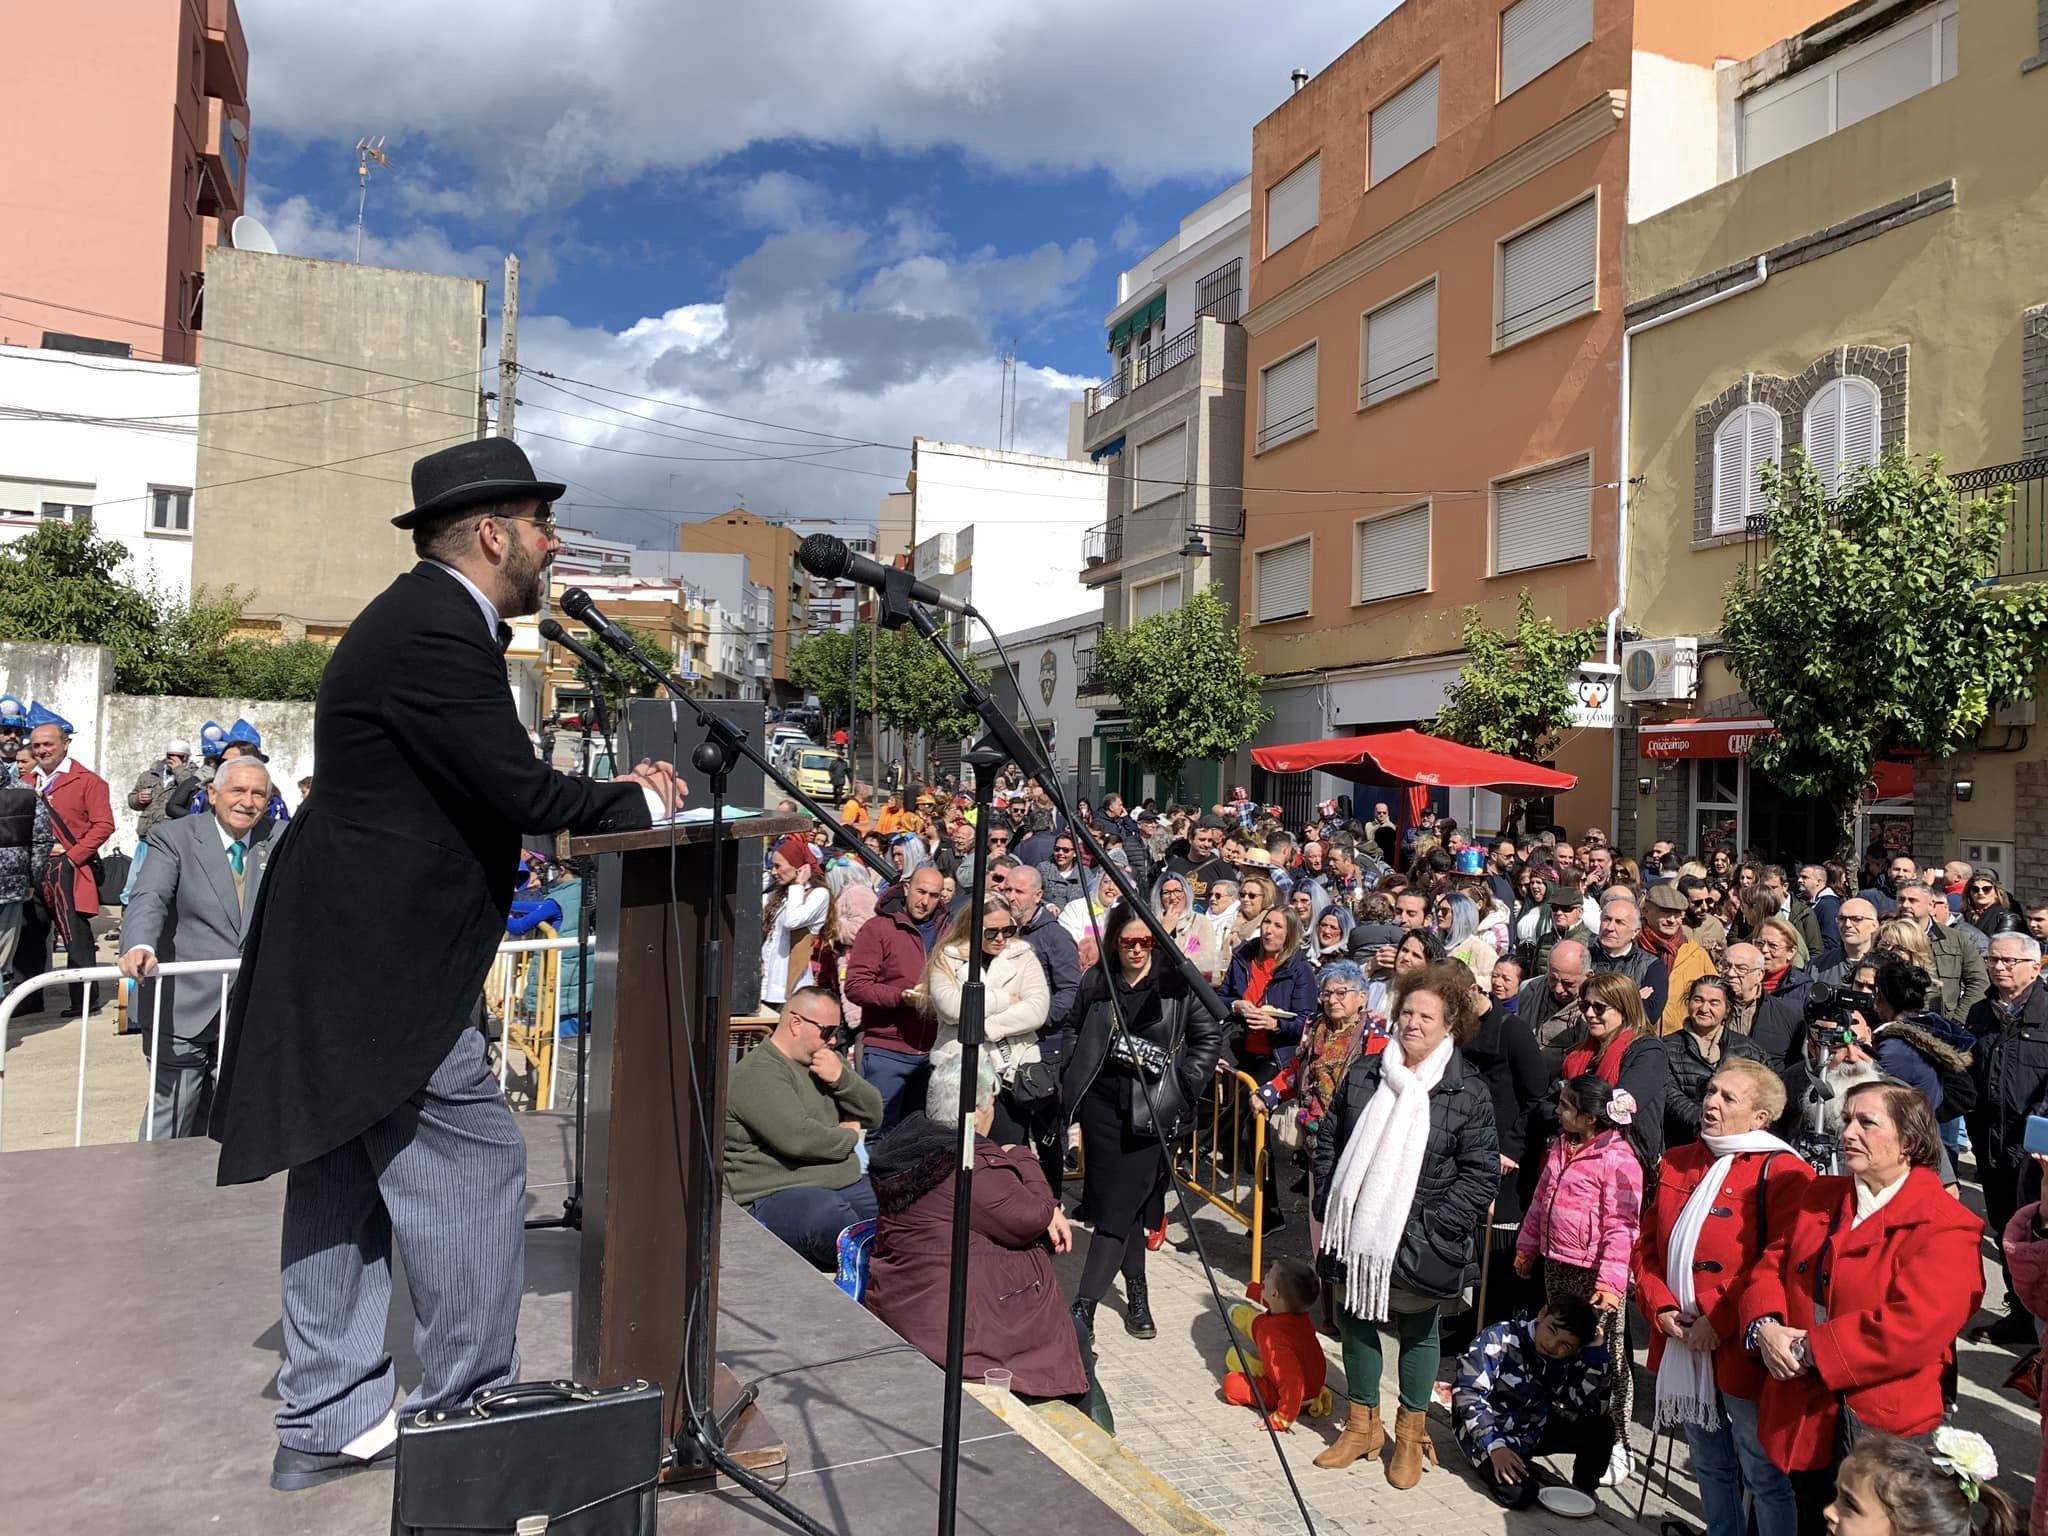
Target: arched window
{"type": "Point", "coordinates": [1841, 431]}
{"type": "Point", "coordinates": [1743, 445]}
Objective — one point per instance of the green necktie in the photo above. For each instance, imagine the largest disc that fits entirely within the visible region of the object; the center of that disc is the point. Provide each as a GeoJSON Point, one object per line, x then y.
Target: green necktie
{"type": "Point", "coordinates": [236, 850]}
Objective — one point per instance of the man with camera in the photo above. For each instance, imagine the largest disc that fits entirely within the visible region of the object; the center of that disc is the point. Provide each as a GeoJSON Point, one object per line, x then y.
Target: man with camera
{"type": "Point", "coordinates": [2011, 1059]}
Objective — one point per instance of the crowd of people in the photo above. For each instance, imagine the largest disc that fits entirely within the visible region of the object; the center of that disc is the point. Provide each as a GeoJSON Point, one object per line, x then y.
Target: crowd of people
{"type": "Point", "coordinates": [1585, 1138]}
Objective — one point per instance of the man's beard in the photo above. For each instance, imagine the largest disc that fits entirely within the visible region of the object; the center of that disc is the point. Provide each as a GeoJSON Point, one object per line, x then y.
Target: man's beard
{"type": "Point", "coordinates": [525, 584]}
{"type": "Point", "coordinates": [1841, 1077]}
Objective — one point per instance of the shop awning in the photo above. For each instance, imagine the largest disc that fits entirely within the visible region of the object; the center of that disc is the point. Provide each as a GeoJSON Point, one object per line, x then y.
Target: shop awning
{"type": "Point", "coordinates": [1702, 738]}
{"type": "Point", "coordinates": [1410, 757]}
{"type": "Point", "coordinates": [1690, 739]}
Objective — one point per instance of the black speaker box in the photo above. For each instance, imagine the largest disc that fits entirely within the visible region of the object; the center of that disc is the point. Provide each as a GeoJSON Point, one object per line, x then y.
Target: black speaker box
{"type": "Point", "coordinates": [666, 732]}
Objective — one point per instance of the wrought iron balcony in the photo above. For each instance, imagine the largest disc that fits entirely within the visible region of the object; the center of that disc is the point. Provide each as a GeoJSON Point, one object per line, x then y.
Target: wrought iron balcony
{"type": "Point", "coordinates": [1103, 545]}
{"type": "Point", "coordinates": [1142, 366]}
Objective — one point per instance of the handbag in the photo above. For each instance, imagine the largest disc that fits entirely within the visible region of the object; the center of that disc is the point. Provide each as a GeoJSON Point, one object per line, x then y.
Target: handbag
{"type": "Point", "coordinates": [1157, 1066]}
{"type": "Point", "coordinates": [531, 1457]}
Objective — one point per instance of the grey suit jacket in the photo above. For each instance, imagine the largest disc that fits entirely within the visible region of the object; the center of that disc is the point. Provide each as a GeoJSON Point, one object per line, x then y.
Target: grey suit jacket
{"type": "Point", "coordinates": [184, 907]}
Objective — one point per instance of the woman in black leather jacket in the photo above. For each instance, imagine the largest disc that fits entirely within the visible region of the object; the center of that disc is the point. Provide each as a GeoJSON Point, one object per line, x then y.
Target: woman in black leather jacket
{"type": "Point", "coordinates": [1173, 1049]}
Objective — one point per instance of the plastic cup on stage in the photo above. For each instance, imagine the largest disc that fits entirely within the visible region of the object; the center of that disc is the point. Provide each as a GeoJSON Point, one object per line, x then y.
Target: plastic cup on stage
{"type": "Point", "coordinates": [1000, 1380]}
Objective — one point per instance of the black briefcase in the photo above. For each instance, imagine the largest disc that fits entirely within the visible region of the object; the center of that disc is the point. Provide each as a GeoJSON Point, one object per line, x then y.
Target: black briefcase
{"type": "Point", "coordinates": [533, 1457]}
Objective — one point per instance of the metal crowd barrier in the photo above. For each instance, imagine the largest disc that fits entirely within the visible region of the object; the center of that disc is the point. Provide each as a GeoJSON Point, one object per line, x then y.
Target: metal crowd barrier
{"type": "Point", "coordinates": [532, 1026]}
{"type": "Point", "coordinates": [1222, 1157]}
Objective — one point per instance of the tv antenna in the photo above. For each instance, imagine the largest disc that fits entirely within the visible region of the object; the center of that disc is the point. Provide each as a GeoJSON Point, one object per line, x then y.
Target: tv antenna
{"type": "Point", "coordinates": [367, 149]}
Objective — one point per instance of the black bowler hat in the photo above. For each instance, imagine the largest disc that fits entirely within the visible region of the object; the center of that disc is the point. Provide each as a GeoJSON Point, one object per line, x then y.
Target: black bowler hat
{"type": "Point", "coordinates": [472, 475]}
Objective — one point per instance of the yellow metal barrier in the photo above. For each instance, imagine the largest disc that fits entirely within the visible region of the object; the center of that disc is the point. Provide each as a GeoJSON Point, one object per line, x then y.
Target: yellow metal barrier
{"type": "Point", "coordinates": [524, 992]}
{"type": "Point", "coordinates": [1222, 1157]}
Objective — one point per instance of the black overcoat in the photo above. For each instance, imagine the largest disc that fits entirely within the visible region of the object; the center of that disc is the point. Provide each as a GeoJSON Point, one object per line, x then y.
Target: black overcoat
{"type": "Point", "coordinates": [386, 897]}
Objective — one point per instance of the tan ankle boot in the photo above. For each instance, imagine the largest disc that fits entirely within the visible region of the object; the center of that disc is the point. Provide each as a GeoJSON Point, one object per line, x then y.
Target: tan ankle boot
{"type": "Point", "coordinates": [1411, 1448]}
{"type": "Point", "coordinates": [1362, 1436]}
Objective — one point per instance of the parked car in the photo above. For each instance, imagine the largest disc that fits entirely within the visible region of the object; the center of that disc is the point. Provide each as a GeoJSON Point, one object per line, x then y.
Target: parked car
{"type": "Point", "coordinates": [814, 770]}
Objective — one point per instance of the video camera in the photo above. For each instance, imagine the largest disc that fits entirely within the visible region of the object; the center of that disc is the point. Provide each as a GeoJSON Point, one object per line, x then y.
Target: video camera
{"type": "Point", "coordinates": [1832, 1014]}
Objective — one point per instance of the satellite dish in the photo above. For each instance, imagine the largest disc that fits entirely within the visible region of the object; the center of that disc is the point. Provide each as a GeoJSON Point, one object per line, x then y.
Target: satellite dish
{"type": "Point", "coordinates": [248, 234]}
{"type": "Point", "coordinates": [238, 130]}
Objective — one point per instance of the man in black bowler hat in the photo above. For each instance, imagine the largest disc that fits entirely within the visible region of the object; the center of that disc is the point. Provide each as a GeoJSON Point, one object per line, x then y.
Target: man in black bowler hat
{"type": "Point", "coordinates": [351, 1055]}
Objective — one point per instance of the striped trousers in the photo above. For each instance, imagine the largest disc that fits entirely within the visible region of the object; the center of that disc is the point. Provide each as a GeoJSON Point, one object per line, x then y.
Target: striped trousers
{"type": "Point", "coordinates": [444, 1175]}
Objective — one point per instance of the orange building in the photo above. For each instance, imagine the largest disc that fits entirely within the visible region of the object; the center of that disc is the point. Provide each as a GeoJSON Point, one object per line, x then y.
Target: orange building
{"type": "Point", "coordinates": [1435, 338]}
{"type": "Point", "coordinates": [770, 549]}
{"type": "Point", "coordinates": [130, 126]}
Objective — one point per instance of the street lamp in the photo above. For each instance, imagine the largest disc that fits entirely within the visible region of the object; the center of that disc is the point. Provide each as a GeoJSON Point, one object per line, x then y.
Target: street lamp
{"type": "Point", "coordinates": [1196, 548]}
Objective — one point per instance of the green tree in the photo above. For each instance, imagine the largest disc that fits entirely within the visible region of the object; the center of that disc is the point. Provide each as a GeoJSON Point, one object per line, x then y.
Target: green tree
{"type": "Point", "coordinates": [823, 665]}
{"type": "Point", "coordinates": [1874, 624]}
{"type": "Point", "coordinates": [1186, 683]}
{"type": "Point", "coordinates": [636, 684]}
{"type": "Point", "coordinates": [908, 687]}
{"type": "Point", "coordinates": [62, 584]}
{"type": "Point", "coordinates": [1514, 693]}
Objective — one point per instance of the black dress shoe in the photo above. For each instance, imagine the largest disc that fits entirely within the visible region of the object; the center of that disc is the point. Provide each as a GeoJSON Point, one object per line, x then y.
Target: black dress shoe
{"type": "Point", "coordinates": [292, 1470]}
{"type": "Point", "coordinates": [1138, 1312]}
{"type": "Point", "coordinates": [2015, 1330]}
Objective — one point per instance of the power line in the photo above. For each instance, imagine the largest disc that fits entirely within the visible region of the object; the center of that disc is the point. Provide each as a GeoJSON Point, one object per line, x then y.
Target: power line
{"type": "Point", "coordinates": [297, 469]}
{"type": "Point", "coordinates": [163, 420]}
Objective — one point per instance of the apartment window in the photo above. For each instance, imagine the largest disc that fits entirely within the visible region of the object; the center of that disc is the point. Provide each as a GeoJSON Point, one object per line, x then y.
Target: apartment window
{"type": "Point", "coordinates": [26, 500]}
{"type": "Point", "coordinates": [1535, 34]}
{"type": "Point", "coordinates": [67, 512]}
{"type": "Point", "coordinates": [1291, 205]}
{"type": "Point", "coordinates": [1399, 345]}
{"type": "Point", "coordinates": [1287, 398]}
{"type": "Point", "coordinates": [1403, 126]}
{"type": "Point", "coordinates": [1544, 517]}
{"type": "Point", "coordinates": [1282, 574]}
{"type": "Point", "coordinates": [1900, 62]}
{"type": "Point", "coordinates": [1162, 467]}
{"type": "Point", "coordinates": [1841, 431]}
{"type": "Point", "coordinates": [1152, 598]}
{"type": "Point", "coordinates": [1743, 445]}
{"type": "Point", "coordinates": [1548, 273]}
{"type": "Point", "coordinates": [170, 511]}
{"type": "Point", "coordinates": [1393, 554]}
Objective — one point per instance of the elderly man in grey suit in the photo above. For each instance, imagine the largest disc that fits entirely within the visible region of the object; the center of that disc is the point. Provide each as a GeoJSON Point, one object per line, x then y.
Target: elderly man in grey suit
{"type": "Point", "coordinates": [191, 902]}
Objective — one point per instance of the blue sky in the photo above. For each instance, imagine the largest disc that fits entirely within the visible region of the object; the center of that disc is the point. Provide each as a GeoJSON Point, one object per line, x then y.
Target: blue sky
{"type": "Point", "coordinates": [831, 217]}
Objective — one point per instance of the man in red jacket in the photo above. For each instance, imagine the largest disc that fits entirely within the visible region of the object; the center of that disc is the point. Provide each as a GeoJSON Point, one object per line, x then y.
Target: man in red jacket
{"type": "Point", "coordinates": [883, 971]}
{"type": "Point", "coordinates": [81, 821]}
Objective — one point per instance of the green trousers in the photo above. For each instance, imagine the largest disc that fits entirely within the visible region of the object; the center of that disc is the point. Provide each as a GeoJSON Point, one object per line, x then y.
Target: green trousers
{"type": "Point", "coordinates": [1414, 1366]}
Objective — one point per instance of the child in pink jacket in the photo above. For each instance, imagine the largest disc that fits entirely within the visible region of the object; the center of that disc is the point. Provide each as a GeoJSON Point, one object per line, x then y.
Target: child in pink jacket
{"type": "Point", "coordinates": [1583, 1220]}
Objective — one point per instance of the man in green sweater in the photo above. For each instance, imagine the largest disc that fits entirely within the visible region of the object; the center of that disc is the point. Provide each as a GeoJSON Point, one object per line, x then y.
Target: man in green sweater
{"type": "Point", "coordinates": [795, 1115]}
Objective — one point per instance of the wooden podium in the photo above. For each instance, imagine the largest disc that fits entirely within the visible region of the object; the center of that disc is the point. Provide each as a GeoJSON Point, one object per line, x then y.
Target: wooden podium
{"type": "Point", "coordinates": [655, 1141]}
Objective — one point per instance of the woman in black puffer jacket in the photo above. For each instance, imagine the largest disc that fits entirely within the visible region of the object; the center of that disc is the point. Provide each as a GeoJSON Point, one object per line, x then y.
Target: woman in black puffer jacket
{"type": "Point", "coordinates": [1406, 1163]}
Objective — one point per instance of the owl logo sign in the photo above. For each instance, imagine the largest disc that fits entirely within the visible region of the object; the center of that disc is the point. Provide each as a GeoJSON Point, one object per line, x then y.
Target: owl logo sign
{"type": "Point", "coordinates": [1593, 697]}
{"type": "Point", "coordinates": [1048, 676]}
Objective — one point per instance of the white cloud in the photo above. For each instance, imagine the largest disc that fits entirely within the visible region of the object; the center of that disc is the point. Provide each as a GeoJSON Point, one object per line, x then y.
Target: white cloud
{"type": "Point", "coordinates": [301, 229]}
{"type": "Point", "coordinates": [1128, 236]}
{"type": "Point", "coordinates": [545, 100]}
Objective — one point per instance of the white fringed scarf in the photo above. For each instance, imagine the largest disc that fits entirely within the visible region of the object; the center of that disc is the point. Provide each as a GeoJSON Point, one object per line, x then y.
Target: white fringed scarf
{"type": "Point", "coordinates": [1374, 1185]}
{"type": "Point", "coordinates": [1685, 1380]}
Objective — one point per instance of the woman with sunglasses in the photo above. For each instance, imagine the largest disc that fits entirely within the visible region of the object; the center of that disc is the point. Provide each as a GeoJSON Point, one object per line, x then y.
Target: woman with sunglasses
{"type": "Point", "coordinates": [1143, 1053]}
{"type": "Point", "coordinates": [1985, 902]}
{"type": "Point", "coordinates": [1015, 999]}
{"type": "Point", "coordinates": [1194, 933]}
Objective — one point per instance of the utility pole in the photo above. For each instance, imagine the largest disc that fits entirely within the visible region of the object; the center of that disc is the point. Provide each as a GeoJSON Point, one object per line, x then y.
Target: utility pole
{"type": "Point", "coordinates": [874, 719]}
{"type": "Point", "coordinates": [508, 350]}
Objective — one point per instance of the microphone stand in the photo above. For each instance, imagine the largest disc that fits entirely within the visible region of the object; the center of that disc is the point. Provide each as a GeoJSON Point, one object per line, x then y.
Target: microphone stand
{"type": "Point", "coordinates": [700, 1441]}
{"type": "Point", "coordinates": [1001, 742]}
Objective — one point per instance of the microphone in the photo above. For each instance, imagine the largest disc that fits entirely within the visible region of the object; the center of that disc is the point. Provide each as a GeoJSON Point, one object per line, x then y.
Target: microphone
{"type": "Point", "coordinates": [824, 555]}
{"type": "Point", "coordinates": [552, 631]}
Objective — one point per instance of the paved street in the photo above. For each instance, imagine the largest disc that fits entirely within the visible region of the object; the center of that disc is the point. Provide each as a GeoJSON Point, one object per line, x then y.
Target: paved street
{"type": "Point", "coordinates": [1168, 1412]}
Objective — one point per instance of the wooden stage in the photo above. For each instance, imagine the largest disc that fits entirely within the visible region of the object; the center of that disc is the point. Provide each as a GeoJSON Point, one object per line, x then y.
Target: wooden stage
{"type": "Point", "coordinates": [140, 1340]}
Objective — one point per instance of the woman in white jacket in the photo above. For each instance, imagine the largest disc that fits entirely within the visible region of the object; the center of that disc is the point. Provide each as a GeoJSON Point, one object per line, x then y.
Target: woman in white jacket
{"type": "Point", "coordinates": [1015, 1000]}
{"type": "Point", "coordinates": [796, 914]}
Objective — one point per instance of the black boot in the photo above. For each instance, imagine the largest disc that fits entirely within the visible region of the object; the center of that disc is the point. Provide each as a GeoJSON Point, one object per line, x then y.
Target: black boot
{"type": "Point", "coordinates": [1138, 1312]}
{"type": "Point", "coordinates": [1083, 1311]}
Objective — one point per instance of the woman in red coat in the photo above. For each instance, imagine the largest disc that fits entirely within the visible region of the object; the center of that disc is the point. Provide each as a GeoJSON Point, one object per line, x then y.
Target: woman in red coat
{"type": "Point", "coordinates": [1855, 1307]}
{"type": "Point", "coordinates": [1719, 1201]}
{"type": "Point", "coordinates": [1017, 1319]}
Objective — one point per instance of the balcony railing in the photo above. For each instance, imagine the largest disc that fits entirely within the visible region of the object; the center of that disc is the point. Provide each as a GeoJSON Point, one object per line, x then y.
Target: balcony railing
{"type": "Point", "coordinates": [1087, 672]}
{"type": "Point", "coordinates": [1221, 293]}
{"type": "Point", "coordinates": [1142, 366]}
{"type": "Point", "coordinates": [1103, 545]}
{"type": "Point", "coordinates": [2025, 555]}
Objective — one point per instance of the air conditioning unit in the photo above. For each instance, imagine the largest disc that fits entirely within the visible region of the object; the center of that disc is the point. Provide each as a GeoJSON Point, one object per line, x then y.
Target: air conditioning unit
{"type": "Point", "coordinates": [1660, 671]}
{"type": "Point", "coordinates": [2013, 714]}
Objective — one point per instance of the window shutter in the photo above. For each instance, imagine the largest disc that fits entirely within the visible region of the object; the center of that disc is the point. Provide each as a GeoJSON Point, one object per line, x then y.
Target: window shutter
{"type": "Point", "coordinates": [1544, 518]}
{"type": "Point", "coordinates": [1287, 398]}
{"type": "Point", "coordinates": [1859, 427]}
{"type": "Point", "coordinates": [1547, 273]}
{"type": "Point", "coordinates": [1535, 34]}
{"type": "Point", "coordinates": [1393, 554]}
{"type": "Point", "coordinates": [1403, 127]}
{"type": "Point", "coordinates": [1842, 432]}
{"type": "Point", "coordinates": [1292, 205]}
{"type": "Point", "coordinates": [1400, 345]}
{"type": "Point", "coordinates": [1162, 467]}
{"type": "Point", "coordinates": [1284, 582]}
{"type": "Point", "coordinates": [1743, 445]}
{"type": "Point", "coordinates": [1824, 435]}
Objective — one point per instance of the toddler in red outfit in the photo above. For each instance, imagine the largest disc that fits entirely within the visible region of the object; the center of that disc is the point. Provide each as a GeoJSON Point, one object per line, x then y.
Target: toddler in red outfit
{"type": "Point", "coordinates": [1287, 1356]}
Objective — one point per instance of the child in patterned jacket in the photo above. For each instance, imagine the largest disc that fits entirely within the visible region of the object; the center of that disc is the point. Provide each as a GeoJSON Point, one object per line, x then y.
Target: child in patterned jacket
{"type": "Point", "coordinates": [1533, 1386]}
